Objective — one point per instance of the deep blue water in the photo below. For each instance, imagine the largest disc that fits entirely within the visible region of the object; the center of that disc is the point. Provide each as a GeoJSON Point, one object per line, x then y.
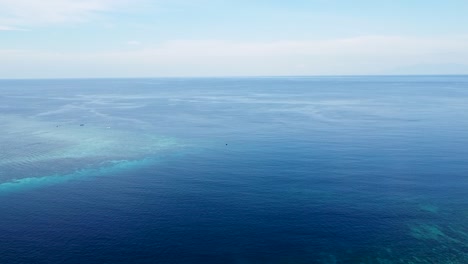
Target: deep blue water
{"type": "Point", "coordinates": [234, 170]}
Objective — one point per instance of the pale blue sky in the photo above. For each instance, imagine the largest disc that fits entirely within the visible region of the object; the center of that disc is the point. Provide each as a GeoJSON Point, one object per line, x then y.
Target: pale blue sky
{"type": "Point", "coordinates": [143, 38]}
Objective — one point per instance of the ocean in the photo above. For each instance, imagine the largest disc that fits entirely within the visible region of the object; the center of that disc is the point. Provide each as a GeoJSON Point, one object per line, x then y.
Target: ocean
{"type": "Point", "coordinates": [339, 169]}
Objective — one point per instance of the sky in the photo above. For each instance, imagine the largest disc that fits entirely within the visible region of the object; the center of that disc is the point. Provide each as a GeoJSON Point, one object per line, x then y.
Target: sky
{"type": "Point", "coordinates": [196, 38]}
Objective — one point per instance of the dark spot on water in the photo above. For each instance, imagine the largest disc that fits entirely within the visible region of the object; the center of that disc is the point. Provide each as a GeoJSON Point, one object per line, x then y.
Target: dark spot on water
{"type": "Point", "coordinates": [81, 124]}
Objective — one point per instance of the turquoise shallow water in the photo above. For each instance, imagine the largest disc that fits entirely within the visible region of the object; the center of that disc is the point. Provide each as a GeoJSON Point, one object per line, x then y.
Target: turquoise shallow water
{"type": "Point", "coordinates": [234, 170]}
{"type": "Point", "coordinates": [23, 184]}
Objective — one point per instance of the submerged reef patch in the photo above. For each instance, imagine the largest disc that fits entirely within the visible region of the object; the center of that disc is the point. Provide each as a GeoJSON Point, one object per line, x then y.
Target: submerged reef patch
{"type": "Point", "coordinates": [38, 153]}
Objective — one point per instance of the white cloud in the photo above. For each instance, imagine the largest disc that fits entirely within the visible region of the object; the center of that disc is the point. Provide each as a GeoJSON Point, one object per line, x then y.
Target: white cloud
{"type": "Point", "coordinates": [359, 55]}
{"type": "Point", "coordinates": [34, 12]}
{"type": "Point", "coordinates": [133, 43]}
{"type": "Point", "coordinates": [7, 28]}
{"type": "Point", "coordinates": [368, 45]}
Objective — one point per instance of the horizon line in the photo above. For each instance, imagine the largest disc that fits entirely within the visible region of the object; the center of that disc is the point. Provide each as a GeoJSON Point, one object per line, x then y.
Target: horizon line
{"type": "Point", "coordinates": [235, 76]}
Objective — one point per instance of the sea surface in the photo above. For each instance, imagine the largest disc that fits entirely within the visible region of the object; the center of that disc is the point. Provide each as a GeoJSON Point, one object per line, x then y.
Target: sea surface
{"type": "Point", "coordinates": [234, 170]}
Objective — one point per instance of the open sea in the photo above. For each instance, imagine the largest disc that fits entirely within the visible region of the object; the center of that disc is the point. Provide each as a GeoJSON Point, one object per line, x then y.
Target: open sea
{"type": "Point", "coordinates": [234, 170]}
